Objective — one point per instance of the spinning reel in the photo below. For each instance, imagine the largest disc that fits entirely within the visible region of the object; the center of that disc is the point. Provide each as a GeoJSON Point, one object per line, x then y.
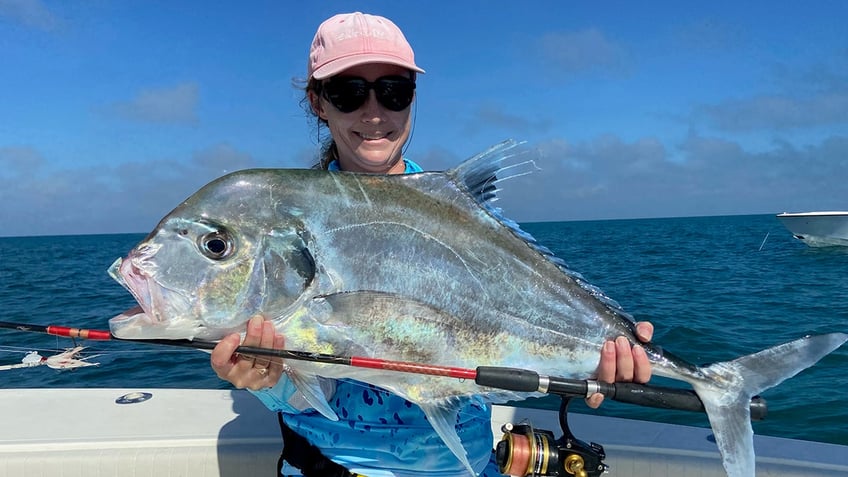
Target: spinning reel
{"type": "Point", "coordinates": [525, 451]}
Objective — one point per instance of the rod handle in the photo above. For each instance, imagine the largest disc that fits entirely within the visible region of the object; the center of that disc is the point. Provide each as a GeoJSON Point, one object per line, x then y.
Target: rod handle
{"type": "Point", "coordinates": [522, 380]}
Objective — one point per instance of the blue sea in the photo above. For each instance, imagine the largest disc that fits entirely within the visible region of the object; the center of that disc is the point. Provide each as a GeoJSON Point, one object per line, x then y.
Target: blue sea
{"type": "Point", "coordinates": [714, 287]}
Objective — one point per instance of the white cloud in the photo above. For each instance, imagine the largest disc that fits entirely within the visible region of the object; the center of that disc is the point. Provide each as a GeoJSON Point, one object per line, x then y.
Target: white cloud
{"type": "Point", "coordinates": [611, 178]}
{"type": "Point", "coordinates": [128, 197]}
{"type": "Point", "coordinates": [221, 159]}
{"type": "Point", "coordinates": [19, 160]}
{"type": "Point", "coordinates": [605, 177]}
{"type": "Point", "coordinates": [30, 13]}
{"type": "Point", "coordinates": [175, 104]}
{"type": "Point", "coordinates": [582, 51]}
{"type": "Point", "coordinates": [802, 97]}
{"type": "Point", "coordinates": [489, 116]}
{"type": "Point", "coordinates": [778, 112]}
{"type": "Point", "coordinates": [709, 34]}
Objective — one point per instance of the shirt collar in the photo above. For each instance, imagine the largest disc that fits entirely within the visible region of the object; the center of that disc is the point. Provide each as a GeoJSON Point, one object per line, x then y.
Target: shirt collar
{"type": "Point", "coordinates": [410, 166]}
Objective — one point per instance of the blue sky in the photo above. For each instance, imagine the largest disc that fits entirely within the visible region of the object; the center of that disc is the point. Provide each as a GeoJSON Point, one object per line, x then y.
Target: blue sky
{"type": "Point", "coordinates": [111, 113]}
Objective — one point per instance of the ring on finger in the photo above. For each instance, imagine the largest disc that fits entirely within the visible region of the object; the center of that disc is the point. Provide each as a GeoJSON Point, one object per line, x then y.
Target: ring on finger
{"type": "Point", "coordinates": [262, 371]}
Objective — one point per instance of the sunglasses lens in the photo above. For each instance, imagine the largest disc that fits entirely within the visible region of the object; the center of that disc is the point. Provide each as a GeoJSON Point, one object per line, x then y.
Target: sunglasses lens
{"type": "Point", "coordinates": [394, 92]}
{"type": "Point", "coordinates": [349, 94]}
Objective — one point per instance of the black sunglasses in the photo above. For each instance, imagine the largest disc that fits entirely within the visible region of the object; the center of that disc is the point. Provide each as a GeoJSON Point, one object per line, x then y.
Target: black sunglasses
{"type": "Point", "coordinates": [349, 93]}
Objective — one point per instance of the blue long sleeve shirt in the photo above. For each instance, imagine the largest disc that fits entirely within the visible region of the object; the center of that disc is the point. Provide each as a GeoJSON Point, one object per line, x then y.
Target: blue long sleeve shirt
{"type": "Point", "coordinates": [379, 434]}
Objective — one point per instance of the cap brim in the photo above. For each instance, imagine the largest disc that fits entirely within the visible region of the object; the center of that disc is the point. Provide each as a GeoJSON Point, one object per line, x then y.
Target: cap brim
{"type": "Point", "coordinates": [337, 66]}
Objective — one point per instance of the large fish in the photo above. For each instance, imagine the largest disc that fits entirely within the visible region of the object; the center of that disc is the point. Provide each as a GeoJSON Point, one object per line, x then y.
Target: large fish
{"type": "Point", "coordinates": [418, 267]}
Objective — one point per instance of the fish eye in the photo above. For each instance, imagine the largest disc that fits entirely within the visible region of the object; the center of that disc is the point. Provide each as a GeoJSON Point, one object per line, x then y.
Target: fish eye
{"type": "Point", "coordinates": [216, 245]}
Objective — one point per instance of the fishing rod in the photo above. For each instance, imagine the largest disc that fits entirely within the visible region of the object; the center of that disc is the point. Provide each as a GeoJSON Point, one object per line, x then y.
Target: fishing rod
{"type": "Point", "coordinates": [511, 379]}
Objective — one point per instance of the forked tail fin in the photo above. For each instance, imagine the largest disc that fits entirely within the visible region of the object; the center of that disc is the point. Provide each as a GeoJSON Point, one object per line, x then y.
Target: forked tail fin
{"type": "Point", "coordinates": [729, 387]}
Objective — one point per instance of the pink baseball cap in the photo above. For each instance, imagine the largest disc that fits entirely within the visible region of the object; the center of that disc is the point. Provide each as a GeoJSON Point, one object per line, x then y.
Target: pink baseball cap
{"type": "Point", "coordinates": [351, 39]}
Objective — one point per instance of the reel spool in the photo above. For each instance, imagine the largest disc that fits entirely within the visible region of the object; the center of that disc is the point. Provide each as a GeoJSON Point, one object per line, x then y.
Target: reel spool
{"type": "Point", "coordinates": [524, 451]}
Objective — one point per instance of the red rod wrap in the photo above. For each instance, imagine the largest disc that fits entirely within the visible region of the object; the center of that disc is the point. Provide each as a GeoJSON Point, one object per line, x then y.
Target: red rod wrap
{"type": "Point", "coordinates": [374, 363]}
{"type": "Point", "coordinates": [79, 333]}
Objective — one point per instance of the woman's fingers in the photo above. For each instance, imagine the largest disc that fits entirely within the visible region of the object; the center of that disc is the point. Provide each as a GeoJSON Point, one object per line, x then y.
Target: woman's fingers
{"type": "Point", "coordinates": [224, 355]}
{"type": "Point", "coordinates": [252, 372]}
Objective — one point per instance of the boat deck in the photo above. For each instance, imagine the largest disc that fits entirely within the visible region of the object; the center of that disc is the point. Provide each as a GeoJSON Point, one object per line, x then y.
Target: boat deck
{"type": "Point", "coordinates": [176, 432]}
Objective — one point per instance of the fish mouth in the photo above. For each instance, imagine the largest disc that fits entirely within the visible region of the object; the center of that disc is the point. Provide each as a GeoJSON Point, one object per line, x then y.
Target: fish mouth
{"type": "Point", "coordinates": [133, 279]}
{"type": "Point", "coordinates": [146, 320]}
{"type": "Point", "coordinates": [136, 324]}
{"type": "Point", "coordinates": [131, 324]}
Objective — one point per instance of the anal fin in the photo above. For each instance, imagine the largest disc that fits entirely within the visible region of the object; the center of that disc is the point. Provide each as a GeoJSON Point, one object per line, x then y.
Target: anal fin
{"type": "Point", "coordinates": [443, 420]}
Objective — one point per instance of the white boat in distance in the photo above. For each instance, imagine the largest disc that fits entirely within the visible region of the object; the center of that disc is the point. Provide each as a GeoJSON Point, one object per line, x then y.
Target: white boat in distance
{"type": "Point", "coordinates": [818, 229]}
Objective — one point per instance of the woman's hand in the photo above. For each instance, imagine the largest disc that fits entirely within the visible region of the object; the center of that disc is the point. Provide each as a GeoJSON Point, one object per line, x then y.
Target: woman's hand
{"type": "Point", "coordinates": [246, 371]}
{"type": "Point", "coordinates": [622, 363]}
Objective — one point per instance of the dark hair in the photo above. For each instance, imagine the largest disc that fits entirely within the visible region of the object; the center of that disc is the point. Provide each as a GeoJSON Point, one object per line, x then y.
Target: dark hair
{"type": "Point", "coordinates": [328, 145]}
{"type": "Point", "coordinates": [329, 152]}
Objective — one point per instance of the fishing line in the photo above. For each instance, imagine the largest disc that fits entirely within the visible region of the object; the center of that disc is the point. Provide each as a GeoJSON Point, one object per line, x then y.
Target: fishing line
{"type": "Point", "coordinates": [19, 349]}
{"type": "Point", "coordinates": [414, 115]}
{"type": "Point", "coordinates": [764, 241]}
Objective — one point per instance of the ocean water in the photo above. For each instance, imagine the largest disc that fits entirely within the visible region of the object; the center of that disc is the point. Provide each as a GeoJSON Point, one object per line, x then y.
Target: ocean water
{"type": "Point", "coordinates": [714, 287]}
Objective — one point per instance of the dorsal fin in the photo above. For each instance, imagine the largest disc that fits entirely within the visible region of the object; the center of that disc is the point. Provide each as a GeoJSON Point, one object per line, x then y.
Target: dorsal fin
{"type": "Point", "coordinates": [480, 175]}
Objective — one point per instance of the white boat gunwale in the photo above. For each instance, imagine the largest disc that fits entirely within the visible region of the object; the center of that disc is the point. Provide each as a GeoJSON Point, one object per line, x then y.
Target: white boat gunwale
{"type": "Point", "coordinates": [84, 432]}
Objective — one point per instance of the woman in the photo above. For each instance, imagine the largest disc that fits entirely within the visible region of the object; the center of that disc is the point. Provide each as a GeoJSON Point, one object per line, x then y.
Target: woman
{"type": "Point", "coordinates": [361, 85]}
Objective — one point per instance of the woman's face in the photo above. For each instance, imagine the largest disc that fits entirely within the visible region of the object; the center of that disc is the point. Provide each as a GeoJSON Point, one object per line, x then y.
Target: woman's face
{"type": "Point", "coordinates": [371, 138]}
